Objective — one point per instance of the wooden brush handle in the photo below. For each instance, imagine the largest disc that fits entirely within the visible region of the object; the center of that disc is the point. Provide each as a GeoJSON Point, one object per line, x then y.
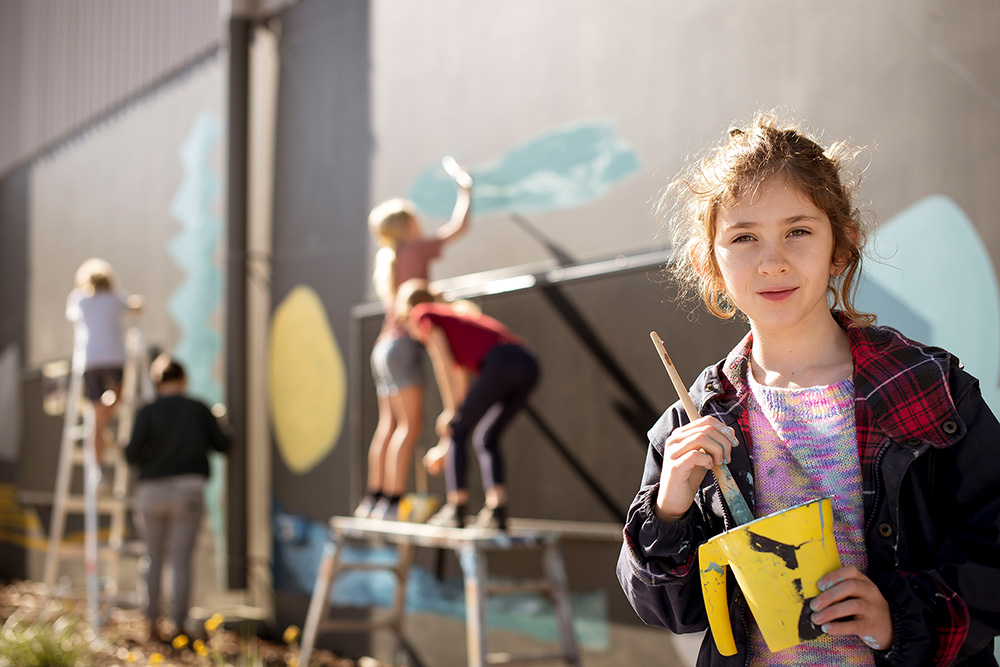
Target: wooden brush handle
{"type": "Point", "coordinates": [734, 499]}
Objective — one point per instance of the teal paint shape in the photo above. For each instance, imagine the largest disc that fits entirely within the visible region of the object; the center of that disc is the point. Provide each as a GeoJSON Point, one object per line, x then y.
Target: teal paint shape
{"type": "Point", "coordinates": [193, 304]}
{"type": "Point", "coordinates": [565, 168]}
{"type": "Point", "coordinates": [929, 275]}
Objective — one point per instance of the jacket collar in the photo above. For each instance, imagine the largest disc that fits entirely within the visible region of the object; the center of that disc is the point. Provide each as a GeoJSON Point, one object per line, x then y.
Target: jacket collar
{"type": "Point", "coordinates": [903, 383]}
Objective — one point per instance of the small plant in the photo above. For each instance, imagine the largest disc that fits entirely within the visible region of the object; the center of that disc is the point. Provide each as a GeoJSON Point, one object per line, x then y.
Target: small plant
{"type": "Point", "coordinates": [51, 639]}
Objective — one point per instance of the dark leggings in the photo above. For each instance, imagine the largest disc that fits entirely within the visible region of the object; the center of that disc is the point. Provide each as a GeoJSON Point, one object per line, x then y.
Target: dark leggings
{"type": "Point", "coordinates": [506, 377]}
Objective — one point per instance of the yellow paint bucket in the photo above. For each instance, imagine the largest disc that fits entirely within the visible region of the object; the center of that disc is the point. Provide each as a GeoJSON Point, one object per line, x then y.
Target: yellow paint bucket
{"type": "Point", "coordinates": [777, 561]}
{"type": "Point", "coordinates": [418, 507]}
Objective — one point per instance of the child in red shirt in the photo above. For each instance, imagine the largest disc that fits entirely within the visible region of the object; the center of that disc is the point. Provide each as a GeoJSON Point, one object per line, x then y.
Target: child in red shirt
{"type": "Point", "coordinates": [484, 373]}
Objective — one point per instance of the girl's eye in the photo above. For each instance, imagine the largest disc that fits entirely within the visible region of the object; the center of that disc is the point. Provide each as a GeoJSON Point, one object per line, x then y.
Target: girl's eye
{"type": "Point", "coordinates": [742, 238]}
{"type": "Point", "coordinates": [799, 232]}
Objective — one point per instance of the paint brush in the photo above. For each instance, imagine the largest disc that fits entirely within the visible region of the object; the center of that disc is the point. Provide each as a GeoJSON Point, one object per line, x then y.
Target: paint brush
{"type": "Point", "coordinates": [734, 499]}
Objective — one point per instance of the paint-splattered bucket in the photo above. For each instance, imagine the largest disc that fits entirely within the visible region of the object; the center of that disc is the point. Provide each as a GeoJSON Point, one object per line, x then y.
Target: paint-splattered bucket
{"type": "Point", "coordinates": [777, 561]}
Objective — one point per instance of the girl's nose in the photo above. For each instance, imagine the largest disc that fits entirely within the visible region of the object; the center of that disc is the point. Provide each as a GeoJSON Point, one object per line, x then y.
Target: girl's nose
{"type": "Point", "coordinates": [773, 261]}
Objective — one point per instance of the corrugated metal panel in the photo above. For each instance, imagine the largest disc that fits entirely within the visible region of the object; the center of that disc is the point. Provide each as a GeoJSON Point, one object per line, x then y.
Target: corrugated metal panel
{"type": "Point", "coordinates": [66, 63]}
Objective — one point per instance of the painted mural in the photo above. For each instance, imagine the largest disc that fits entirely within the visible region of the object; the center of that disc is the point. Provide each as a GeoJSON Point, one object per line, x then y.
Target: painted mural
{"type": "Point", "coordinates": [307, 381]}
{"type": "Point", "coordinates": [928, 274]}
{"type": "Point", "coordinates": [564, 168]}
{"type": "Point", "coordinates": [194, 302]}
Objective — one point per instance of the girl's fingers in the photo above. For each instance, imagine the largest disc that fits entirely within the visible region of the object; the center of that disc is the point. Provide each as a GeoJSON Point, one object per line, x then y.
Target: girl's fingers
{"type": "Point", "coordinates": [851, 604]}
{"type": "Point", "coordinates": [689, 452]}
{"type": "Point", "coordinates": [707, 434]}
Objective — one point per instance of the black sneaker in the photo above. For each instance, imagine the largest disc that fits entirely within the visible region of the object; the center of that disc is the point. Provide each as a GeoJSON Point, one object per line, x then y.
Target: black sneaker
{"type": "Point", "coordinates": [449, 516]}
{"type": "Point", "coordinates": [492, 517]}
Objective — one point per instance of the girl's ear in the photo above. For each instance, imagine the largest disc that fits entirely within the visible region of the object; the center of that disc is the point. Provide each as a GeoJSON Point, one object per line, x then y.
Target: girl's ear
{"type": "Point", "coordinates": [842, 256]}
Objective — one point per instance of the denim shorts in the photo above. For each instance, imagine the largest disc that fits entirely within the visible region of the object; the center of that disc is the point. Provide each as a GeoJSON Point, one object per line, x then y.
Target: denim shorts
{"type": "Point", "coordinates": [397, 363]}
{"type": "Point", "coordinates": [96, 381]}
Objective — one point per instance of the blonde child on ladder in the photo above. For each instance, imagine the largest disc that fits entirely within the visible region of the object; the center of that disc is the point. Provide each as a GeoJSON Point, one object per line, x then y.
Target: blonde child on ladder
{"type": "Point", "coordinates": [396, 359]}
{"type": "Point", "coordinates": [96, 310]}
{"type": "Point", "coordinates": [816, 401]}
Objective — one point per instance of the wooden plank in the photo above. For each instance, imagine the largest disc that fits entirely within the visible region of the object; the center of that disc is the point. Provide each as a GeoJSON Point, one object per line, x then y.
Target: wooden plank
{"type": "Point", "coordinates": [521, 532]}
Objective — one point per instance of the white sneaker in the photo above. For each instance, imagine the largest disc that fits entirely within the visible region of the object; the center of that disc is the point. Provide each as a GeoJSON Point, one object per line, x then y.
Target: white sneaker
{"type": "Point", "coordinates": [385, 510]}
{"type": "Point", "coordinates": [365, 507]}
{"type": "Point", "coordinates": [449, 516]}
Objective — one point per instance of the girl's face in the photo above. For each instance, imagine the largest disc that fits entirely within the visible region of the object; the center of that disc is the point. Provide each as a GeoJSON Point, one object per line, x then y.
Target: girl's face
{"type": "Point", "coordinates": [774, 250]}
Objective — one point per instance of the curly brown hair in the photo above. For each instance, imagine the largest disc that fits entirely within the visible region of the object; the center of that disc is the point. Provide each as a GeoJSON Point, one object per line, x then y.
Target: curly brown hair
{"type": "Point", "coordinates": [737, 167]}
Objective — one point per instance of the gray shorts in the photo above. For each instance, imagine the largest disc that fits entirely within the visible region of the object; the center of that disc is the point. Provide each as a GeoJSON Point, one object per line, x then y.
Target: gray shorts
{"type": "Point", "coordinates": [397, 363]}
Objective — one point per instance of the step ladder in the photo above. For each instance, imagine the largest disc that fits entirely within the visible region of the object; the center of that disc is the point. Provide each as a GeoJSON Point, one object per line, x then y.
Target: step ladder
{"type": "Point", "coordinates": [471, 545]}
{"type": "Point", "coordinates": [74, 454]}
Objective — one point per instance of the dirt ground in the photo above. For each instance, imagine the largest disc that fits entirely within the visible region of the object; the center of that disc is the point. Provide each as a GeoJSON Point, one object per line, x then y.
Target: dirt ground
{"type": "Point", "coordinates": [125, 639]}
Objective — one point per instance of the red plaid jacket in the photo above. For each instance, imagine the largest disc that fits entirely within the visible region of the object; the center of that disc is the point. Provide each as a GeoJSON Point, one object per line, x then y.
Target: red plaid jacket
{"type": "Point", "coordinates": [928, 448]}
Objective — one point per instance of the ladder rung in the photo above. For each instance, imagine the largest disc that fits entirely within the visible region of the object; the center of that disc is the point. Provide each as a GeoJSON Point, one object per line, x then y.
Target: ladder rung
{"type": "Point", "coordinates": [371, 567]}
{"type": "Point", "coordinates": [76, 433]}
{"type": "Point", "coordinates": [45, 498]}
{"type": "Point", "coordinates": [105, 505]}
{"type": "Point", "coordinates": [77, 550]}
{"type": "Point", "coordinates": [532, 586]}
{"type": "Point", "coordinates": [357, 626]}
{"type": "Point", "coordinates": [502, 658]}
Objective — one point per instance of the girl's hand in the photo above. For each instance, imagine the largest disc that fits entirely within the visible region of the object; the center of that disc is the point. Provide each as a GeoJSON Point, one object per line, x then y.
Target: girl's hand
{"type": "Point", "coordinates": [850, 604]}
{"type": "Point", "coordinates": [434, 458]}
{"type": "Point", "coordinates": [690, 452]}
{"type": "Point", "coordinates": [457, 173]}
{"type": "Point", "coordinates": [443, 425]}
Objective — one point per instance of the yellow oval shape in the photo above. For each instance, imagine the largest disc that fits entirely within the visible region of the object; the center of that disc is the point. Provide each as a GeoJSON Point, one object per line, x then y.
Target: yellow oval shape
{"type": "Point", "coordinates": [307, 390]}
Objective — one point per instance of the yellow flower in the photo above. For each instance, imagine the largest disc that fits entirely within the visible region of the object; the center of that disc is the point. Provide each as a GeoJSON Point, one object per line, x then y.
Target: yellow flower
{"type": "Point", "coordinates": [213, 623]}
{"type": "Point", "coordinates": [130, 657]}
{"type": "Point", "coordinates": [199, 647]}
{"type": "Point", "coordinates": [293, 661]}
{"type": "Point", "coordinates": [179, 642]}
{"type": "Point", "coordinates": [291, 634]}
{"type": "Point", "coordinates": [156, 658]}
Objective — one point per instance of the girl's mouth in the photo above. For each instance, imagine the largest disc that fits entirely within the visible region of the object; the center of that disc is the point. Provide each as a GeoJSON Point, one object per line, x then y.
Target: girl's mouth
{"type": "Point", "coordinates": [777, 294]}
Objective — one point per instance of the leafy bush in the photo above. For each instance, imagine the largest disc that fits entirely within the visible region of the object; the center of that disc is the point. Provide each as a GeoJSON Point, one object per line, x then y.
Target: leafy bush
{"type": "Point", "coordinates": [51, 639]}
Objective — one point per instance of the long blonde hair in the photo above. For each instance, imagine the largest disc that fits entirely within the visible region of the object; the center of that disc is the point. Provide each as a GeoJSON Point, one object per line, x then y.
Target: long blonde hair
{"type": "Point", "coordinates": [390, 223]}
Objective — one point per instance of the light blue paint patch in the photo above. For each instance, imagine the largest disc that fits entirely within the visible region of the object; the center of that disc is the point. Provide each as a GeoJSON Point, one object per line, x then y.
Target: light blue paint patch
{"type": "Point", "coordinates": [936, 271]}
{"type": "Point", "coordinates": [566, 168]}
{"type": "Point", "coordinates": [716, 567]}
{"type": "Point", "coordinates": [298, 550]}
{"type": "Point", "coordinates": [194, 302]}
